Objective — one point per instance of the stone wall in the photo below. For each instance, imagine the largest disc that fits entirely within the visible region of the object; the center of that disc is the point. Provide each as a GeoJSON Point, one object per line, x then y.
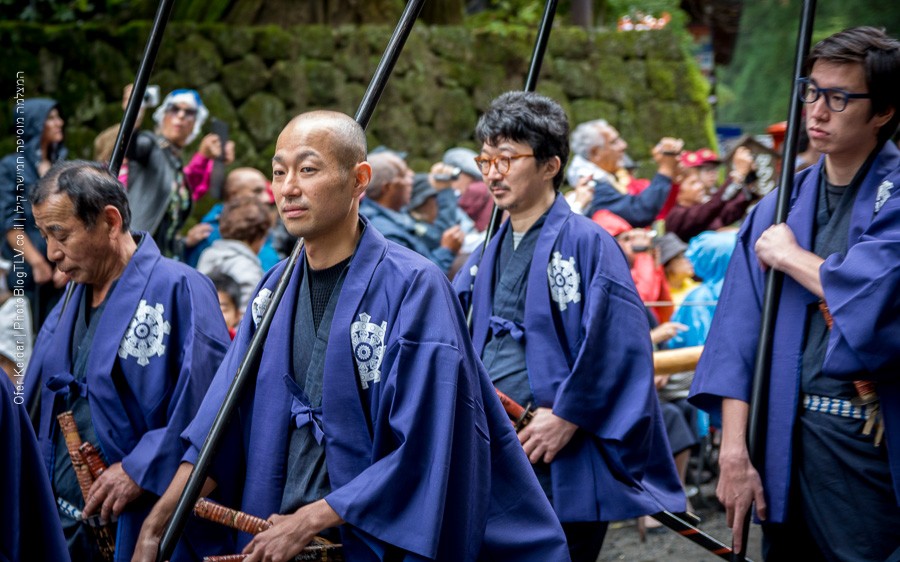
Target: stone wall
{"type": "Point", "coordinates": [256, 78]}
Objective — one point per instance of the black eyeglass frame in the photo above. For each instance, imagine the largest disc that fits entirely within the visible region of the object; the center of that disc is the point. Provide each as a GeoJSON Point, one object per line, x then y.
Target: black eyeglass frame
{"type": "Point", "coordinates": [807, 84]}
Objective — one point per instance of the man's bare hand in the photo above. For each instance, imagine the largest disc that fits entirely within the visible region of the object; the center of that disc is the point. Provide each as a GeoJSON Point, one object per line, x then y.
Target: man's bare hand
{"type": "Point", "coordinates": [197, 233]}
{"type": "Point", "coordinates": [776, 246]}
{"type": "Point", "coordinates": [59, 278]}
{"type": "Point", "coordinates": [42, 271]}
{"type": "Point", "coordinates": [584, 191]}
{"type": "Point", "coordinates": [453, 239]}
{"type": "Point", "coordinates": [738, 488]}
{"type": "Point", "coordinates": [666, 331]}
{"type": "Point", "coordinates": [439, 168]}
{"type": "Point", "coordinates": [147, 546]}
{"type": "Point", "coordinates": [741, 163]}
{"type": "Point", "coordinates": [545, 436]}
{"type": "Point", "coordinates": [111, 492]}
{"type": "Point", "coordinates": [290, 534]}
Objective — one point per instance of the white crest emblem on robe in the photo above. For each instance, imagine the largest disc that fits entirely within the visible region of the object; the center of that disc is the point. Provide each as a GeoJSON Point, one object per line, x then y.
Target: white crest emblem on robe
{"type": "Point", "coordinates": [260, 304]}
{"type": "Point", "coordinates": [564, 280]}
{"type": "Point", "coordinates": [884, 192]}
{"type": "Point", "coordinates": [368, 348]}
{"type": "Point", "coordinates": [144, 337]}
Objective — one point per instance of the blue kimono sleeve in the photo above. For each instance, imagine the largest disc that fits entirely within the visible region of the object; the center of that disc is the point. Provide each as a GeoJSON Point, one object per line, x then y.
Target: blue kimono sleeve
{"type": "Point", "coordinates": [605, 388]}
{"type": "Point", "coordinates": [861, 288]}
{"type": "Point", "coordinates": [725, 369]}
{"type": "Point", "coordinates": [29, 522]}
{"type": "Point", "coordinates": [427, 489]}
{"type": "Point", "coordinates": [156, 456]}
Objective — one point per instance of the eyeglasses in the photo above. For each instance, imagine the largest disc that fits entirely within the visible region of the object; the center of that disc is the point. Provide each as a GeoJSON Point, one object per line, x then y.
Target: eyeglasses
{"type": "Point", "coordinates": [188, 112]}
{"type": "Point", "coordinates": [835, 98]}
{"type": "Point", "coordinates": [501, 163]}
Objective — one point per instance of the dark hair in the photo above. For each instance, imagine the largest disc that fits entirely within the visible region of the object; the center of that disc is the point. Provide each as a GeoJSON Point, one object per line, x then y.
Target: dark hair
{"type": "Point", "coordinates": [879, 55]}
{"type": "Point", "coordinates": [226, 284]}
{"type": "Point", "coordinates": [246, 219]}
{"type": "Point", "coordinates": [531, 118]}
{"type": "Point", "coordinates": [89, 185]}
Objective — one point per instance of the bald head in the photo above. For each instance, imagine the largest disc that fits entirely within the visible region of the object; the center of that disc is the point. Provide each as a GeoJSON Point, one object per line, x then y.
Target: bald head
{"type": "Point", "coordinates": [245, 182]}
{"type": "Point", "coordinates": [349, 139]}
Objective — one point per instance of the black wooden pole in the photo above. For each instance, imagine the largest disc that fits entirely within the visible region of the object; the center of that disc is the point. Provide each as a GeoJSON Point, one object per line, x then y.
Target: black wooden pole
{"type": "Point", "coordinates": [759, 399]}
{"type": "Point", "coordinates": [246, 372]}
{"type": "Point", "coordinates": [140, 85]}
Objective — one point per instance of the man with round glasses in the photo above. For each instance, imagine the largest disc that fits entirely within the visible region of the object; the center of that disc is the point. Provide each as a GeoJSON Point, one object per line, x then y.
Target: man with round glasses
{"type": "Point", "coordinates": [559, 325]}
{"type": "Point", "coordinates": [830, 487]}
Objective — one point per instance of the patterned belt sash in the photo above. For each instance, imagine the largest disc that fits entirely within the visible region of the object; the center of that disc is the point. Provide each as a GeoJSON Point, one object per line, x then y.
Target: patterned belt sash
{"type": "Point", "coordinates": [835, 407]}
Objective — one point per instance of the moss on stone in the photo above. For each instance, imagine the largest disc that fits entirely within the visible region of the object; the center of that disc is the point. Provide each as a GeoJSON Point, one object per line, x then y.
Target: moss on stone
{"type": "Point", "coordinates": [234, 41]}
{"type": "Point", "coordinates": [80, 142]}
{"type": "Point", "coordinates": [417, 92]}
{"type": "Point", "coordinates": [289, 83]}
{"type": "Point", "coordinates": [324, 81]}
{"type": "Point", "coordinates": [554, 90]}
{"type": "Point", "coordinates": [577, 78]}
{"type": "Point", "coordinates": [263, 115]}
{"type": "Point", "coordinates": [198, 61]}
{"type": "Point", "coordinates": [644, 82]}
{"type": "Point", "coordinates": [110, 69]}
{"type": "Point", "coordinates": [570, 43]}
{"type": "Point", "coordinates": [245, 76]}
{"type": "Point", "coordinates": [276, 43]}
{"type": "Point", "coordinates": [457, 116]}
{"type": "Point", "coordinates": [450, 42]}
{"type": "Point", "coordinates": [588, 110]}
{"type": "Point", "coordinates": [219, 104]}
{"type": "Point", "coordinates": [352, 56]}
{"type": "Point", "coordinates": [661, 78]}
{"type": "Point", "coordinates": [245, 153]}
{"type": "Point", "coordinates": [314, 41]}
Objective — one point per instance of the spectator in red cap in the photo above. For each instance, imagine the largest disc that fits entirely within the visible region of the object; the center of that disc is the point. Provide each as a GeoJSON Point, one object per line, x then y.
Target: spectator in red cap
{"type": "Point", "coordinates": [695, 210]}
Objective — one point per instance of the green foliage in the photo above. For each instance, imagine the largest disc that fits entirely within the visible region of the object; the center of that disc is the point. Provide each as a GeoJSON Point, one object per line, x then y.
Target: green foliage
{"type": "Point", "coordinates": [755, 87]}
{"type": "Point", "coordinates": [63, 11]}
{"type": "Point", "coordinates": [655, 8]}
{"type": "Point", "coordinates": [505, 16]}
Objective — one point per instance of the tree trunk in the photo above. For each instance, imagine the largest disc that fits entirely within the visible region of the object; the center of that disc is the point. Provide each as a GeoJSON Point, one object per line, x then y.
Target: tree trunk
{"type": "Point", "coordinates": [582, 13]}
{"type": "Point", "coordinates": [443, 12]}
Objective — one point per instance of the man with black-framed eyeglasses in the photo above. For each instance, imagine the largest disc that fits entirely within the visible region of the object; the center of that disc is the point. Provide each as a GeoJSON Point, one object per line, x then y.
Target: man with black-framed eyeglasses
{"type": "Point", "coordinates": [835, 98]}
{"type": "Point", "coordinates": [559, 325]}
{"type": "Point", "coordinates": [830, 487]}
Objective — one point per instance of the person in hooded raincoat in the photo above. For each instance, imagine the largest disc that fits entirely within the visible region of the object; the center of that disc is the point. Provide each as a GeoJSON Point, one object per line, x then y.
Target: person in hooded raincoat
{"type": "Point", "coordinates": [39, 132]}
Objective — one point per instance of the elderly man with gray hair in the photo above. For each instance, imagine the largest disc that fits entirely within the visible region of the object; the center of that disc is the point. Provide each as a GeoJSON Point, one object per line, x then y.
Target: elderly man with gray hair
{"type": "Point", "coordinates": [387, 197]}
{"type": "Point", "coordinates": [598, 152]}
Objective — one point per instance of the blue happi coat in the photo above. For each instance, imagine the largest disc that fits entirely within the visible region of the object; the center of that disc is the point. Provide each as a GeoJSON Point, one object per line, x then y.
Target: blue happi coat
{"type": "Point", "coordinates": [862, 289]}
{"type": "Point", "coordinates": [589, 358]}
{"type": "Point", "coordinates": [163, 326]}
{"type": "Point", "coordinates": [420, 454]}
{"type": "Point", "coordinates": [29, 525]}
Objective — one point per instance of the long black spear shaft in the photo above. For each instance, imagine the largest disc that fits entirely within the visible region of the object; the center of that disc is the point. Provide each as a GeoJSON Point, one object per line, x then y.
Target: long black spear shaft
{"type": "Point", "coordinates": [759, 399]}
{"type": "Point", "coordinates": [534, 69]}
{"type": "Point", "coordinates": [140, 85]}
{"type": "Point", "coordinates": [246, 372]}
